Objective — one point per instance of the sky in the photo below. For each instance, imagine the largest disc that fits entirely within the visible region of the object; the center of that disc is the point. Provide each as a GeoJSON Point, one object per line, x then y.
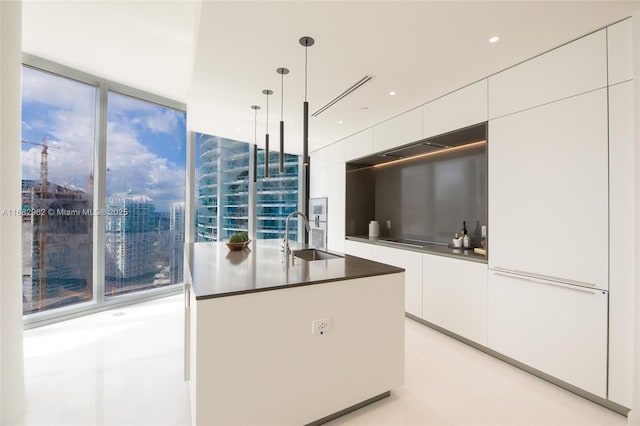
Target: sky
{"type": "Point", "coordinates": [145, 142]}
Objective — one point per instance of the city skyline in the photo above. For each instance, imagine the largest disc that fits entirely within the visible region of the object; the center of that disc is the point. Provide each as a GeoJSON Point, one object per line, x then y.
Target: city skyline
{"type": "Point", "coordinates": [145, 141]}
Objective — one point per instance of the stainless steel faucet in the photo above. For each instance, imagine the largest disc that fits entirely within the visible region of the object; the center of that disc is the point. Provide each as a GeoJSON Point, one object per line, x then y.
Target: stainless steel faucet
{"type": "Point", "coordinates": [285, 242]}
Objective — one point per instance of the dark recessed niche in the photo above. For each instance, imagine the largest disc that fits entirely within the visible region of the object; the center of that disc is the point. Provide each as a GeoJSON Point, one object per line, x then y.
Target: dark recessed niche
{"type": "Point", "coordinates": [456, 138]}
{"type": "Point", "coordinates": [438, 183]}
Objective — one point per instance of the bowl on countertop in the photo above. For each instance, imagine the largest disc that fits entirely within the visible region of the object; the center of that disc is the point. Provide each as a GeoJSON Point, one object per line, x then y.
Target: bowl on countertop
{"type": "Point", "coordinates": [238, 246]}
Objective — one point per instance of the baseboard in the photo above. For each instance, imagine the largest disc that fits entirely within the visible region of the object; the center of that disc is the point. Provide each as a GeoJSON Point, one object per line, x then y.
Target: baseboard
{"type": "Point", "coordinates": [620, 409]}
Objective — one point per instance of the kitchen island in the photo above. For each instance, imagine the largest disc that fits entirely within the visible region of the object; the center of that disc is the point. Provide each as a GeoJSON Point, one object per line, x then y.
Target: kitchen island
{"type": "Point", "coordinates": [290, 343]}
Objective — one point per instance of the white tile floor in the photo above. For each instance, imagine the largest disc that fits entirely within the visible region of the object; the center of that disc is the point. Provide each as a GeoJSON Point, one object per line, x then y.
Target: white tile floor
{"type": "Point", "coordinates": [124, 367]}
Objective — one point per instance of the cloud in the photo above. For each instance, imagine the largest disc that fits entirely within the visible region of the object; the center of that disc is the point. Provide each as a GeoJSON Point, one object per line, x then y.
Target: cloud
{"type": "Point", "coordinates": [59, 108]}
{"type": "Point", "coordinates": [132, 167]}
{"type": "Point", "coordinates": [151, 117]}
{"type": "Point", "coordinates": [44, 88]}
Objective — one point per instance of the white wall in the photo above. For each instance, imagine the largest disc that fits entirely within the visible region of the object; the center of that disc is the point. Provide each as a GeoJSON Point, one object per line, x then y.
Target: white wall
{"type": "Point", "coordinates": [11, 357]}
{"type": "Point", "coordinates": [634, 416]}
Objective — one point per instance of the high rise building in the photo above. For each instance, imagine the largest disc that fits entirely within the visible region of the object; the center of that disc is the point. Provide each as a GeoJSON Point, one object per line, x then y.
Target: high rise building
{"type": "Point", "coordinates": [176, 227]}
{"type": "Point", "coordinates": [277, 196]}
{"type": "Point", "coordinates": [222, 199]}
{"type": "Point", "coordinates": [130, 243]}
{"type": "Point", "coordinates": [56, 245]}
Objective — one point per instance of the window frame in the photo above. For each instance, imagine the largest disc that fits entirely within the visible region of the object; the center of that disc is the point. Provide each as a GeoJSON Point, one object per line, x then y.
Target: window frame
{"type": "Point", "coordinates": [99, 301]}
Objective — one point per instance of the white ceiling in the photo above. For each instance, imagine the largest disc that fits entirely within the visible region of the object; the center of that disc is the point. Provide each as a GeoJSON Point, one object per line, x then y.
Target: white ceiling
{"type": "Point", "coordinates": [218, 56]}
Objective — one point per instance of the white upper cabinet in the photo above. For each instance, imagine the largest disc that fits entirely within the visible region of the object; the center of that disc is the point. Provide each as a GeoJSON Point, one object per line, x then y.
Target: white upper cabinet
{"type": "Point", "coordinates": [319, 158]}
{"type": "Point", "coordinates": [400, 130]}
{"type": "Point", "coordinates": [355, 146]}
{"type": "Point", "coordinates": [459, 109]}
{"type": "Point", "coordinates": [318, 182]}
{"type": "Point", "coordinates": [548, 191]}
{"type": "Point", "coordinates": [575, 68]}
{"type": "Point", "coordinates": [620, 53]}
{"type": "Point", "coordinates": [412, 264]}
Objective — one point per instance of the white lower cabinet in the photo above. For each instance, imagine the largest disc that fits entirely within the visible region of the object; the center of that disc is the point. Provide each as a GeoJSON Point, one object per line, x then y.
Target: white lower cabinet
{"type": "Point", "coordinates": [355, 248]}
{"type": "Point", "coordinates": [556, 328]}
{"type": "Point", "coordinates": [412, 263]}
{"type": "Point", "coordinates": [454, 296]}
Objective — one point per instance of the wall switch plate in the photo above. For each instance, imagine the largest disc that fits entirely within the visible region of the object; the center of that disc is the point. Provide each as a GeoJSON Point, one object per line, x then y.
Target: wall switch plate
{"type": "Point", "coordinates": [484, 232]}
{"type": "Point", "coordinates": [321, 326]}
{"type": "Point", "coordinates": [388, 224]}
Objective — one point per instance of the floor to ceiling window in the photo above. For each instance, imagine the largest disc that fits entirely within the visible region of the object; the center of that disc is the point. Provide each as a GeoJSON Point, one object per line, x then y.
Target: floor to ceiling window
{"type": "Point", "coordinates": [58, 134]}
{"type": "Point", "coordinates": [222, 190]}
{"type": "Point", "coordinates": [145, 194]}
{"type": "Point", "coordinates": [141, 202]}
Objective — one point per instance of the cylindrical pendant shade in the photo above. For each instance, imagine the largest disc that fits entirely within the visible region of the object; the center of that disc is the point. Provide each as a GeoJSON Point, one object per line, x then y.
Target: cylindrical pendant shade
{"type": "Point", "coordinates": [305, 164]}
{"type": "Point", "coordinates": [255, 163]}
{"type": "Point", "coordinates": [266, 155]}
{"type": "Point", "coordinates": [281, 146]}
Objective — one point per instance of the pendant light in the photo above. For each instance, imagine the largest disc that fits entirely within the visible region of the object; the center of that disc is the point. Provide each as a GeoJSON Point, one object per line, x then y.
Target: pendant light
{"type": "Point", "coordinates": [282, 72]}
{"type": "Point", "coordinates": [266, 136]}
{"type": "Point", "coordinates": [255, 108]}
{"type": "Point", "coordinates": [305, 41]}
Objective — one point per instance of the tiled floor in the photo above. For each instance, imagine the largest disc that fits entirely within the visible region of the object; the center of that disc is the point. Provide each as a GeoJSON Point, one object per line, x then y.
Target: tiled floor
{"type": "Point", "coordinates": [124, 367]}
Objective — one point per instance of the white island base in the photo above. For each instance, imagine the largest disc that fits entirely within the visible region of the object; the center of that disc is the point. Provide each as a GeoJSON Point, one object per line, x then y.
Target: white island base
{"type": "Point", "coordinates": [255, 361]}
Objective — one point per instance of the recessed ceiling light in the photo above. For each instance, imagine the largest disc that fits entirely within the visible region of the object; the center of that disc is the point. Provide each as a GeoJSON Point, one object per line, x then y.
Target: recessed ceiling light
{"type": "Point", "coordinates": [238, 129]}
{"type": "Point", "coordinates": [340, 121]}
{"type": "Point", "coordinates": [392, 93]}
{"type": "Point", "coordinates": [494, 39]}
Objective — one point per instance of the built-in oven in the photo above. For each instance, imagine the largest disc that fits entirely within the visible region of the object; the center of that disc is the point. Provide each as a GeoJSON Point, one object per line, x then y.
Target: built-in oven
{"type": "Point", "coordinates": [318, 223]}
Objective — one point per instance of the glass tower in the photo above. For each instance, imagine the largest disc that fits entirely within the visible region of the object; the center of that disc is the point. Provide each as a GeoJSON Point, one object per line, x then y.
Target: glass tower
{"type": "Point", "coordinates": [222, 192]}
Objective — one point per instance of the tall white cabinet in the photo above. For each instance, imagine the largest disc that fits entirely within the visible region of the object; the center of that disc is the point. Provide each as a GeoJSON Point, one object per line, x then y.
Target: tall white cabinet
{"type": "Point", "coordinates": [548, 191]}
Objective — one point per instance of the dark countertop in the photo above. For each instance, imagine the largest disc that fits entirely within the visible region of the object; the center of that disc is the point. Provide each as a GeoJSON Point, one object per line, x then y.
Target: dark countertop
{"type": "Point", "coordinates": [439, 250]}
{"type": "Point", "coordinates": [219, 272]}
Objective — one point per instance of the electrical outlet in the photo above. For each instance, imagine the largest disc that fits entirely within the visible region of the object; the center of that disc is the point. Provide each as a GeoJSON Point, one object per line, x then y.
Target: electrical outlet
{"type": "Point", "coordinates": [484, 232]}
{"type": "Point", "coordinates": [321, 326]}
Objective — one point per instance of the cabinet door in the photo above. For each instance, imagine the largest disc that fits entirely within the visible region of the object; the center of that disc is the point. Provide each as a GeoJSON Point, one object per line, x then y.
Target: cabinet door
{"type": "Point", "coordinates": [558, 329]}
{"type": "Point", "coordinates": [622, 259]}
{"type": "Point", "coordinates": [353, 147]}
{"type": "Point", "coordinates": [412, 263]}
{"type": "Point", "coordinates": [399, 130]}
{"type": "Point", "coordinates": [355, 248]}
{"type": "Point", "coordinates": [454, 296]}
{"type": "Point", "coordinates": [548, 191]}
{"type": "Point", "coordinates": [317, 182]}
{"type": "Point", "coordinates": [569, 70]}
{"type": "Point", "coordinates": [336, 184]}
{"type": "Point", "coordinates": [620, 51]}
{"type": "Point", "coordinates": [458, 109]}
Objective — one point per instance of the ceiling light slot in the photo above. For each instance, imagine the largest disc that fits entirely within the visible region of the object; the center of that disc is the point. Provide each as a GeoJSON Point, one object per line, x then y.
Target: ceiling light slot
{"type": "Point", "coordinates": [364, 80]}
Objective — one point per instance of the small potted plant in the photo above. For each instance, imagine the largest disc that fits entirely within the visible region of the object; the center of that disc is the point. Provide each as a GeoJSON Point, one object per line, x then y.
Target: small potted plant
{"type": "Point", "coordinates": [238, 241]}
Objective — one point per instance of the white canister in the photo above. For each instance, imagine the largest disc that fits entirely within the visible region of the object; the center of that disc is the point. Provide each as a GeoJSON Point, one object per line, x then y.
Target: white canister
{"type": "Point", "coordinates": [374, 229]}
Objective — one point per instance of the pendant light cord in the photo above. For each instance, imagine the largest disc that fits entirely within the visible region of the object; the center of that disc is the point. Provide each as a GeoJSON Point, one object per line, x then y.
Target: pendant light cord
{"type": "Point", "coordinates": [305, 72]}
{"type": "Point", "coordinates": [267, 113]}
{"type": "Point", "coordinates": [255, 127]}
{"type": "Point", "coordinates": [281, 96]}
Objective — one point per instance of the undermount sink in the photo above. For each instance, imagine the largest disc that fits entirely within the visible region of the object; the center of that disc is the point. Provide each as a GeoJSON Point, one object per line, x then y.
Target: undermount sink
{"type": "Point", "coordinates": [313, 254]}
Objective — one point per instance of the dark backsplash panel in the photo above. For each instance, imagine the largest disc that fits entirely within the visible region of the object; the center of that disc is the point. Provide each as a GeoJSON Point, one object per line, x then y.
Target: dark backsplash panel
{"type": "Point", "coordinates": [425, 199]}
{"type": "Point", "coordinates": [360, 202]}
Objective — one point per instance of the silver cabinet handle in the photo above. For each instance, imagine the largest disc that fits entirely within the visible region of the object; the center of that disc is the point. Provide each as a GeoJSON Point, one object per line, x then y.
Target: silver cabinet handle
{"type": "Point", "coordinates": [544, 277]}
{"type": "Point", "coordinates": [549, 283]}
